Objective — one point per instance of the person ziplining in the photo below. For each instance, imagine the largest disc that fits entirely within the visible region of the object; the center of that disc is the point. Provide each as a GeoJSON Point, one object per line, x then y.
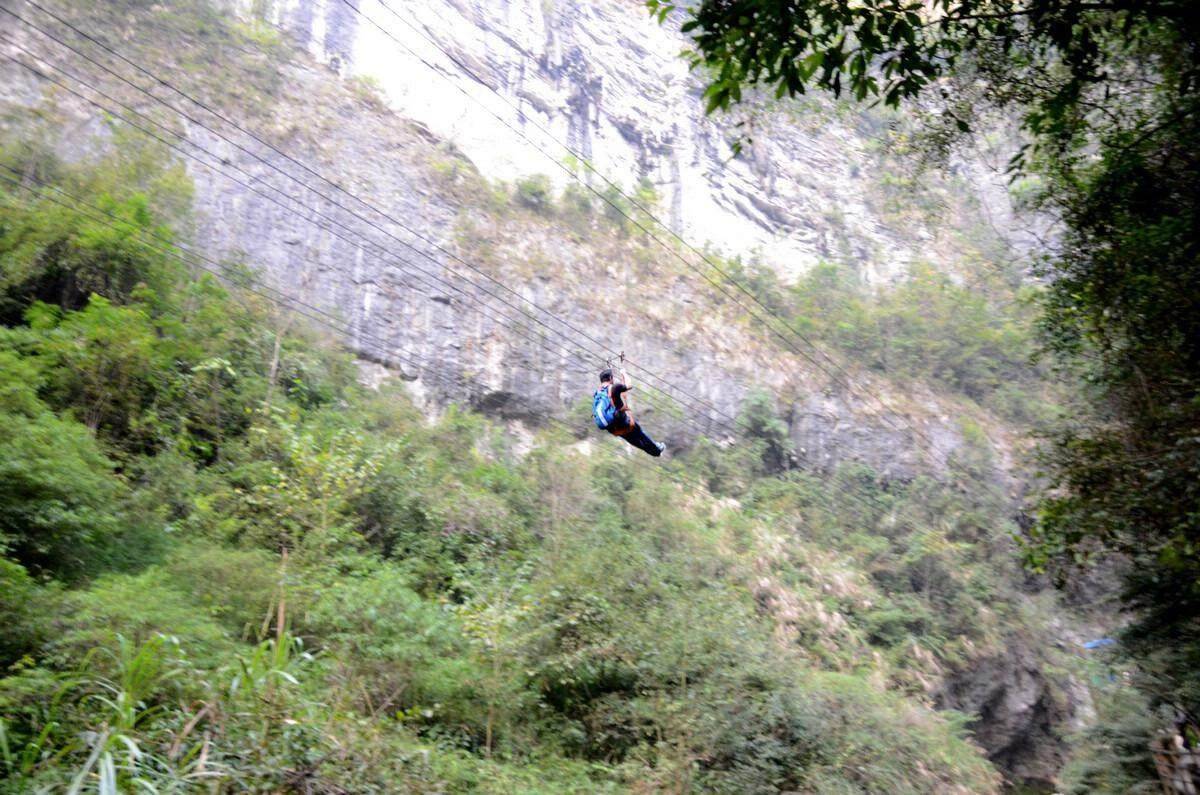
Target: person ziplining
{"type": "Point", "coordinates": [612, 412]}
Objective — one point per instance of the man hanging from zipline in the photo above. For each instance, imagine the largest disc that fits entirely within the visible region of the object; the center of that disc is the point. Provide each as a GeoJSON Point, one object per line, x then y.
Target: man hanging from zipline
{"type": "Point", "coordinates": [612, 413]}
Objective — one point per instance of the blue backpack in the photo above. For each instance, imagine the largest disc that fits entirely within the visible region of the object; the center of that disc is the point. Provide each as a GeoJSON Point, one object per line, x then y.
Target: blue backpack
{"type": "Point", "coordinates": [603, 410]}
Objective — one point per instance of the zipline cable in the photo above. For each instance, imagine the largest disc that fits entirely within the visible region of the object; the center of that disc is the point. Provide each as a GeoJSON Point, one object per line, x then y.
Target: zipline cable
{"type": "Point", "coordinates": [709, 419]}
{"type": "Point", "coordinates": [355, 240]}
{"type": "Point", "coordinates": [221, 116]}
{"type": "Point", "coordinates": [846, 376]}
{"type": "Point", "coordinates": [483, 309]}
{"type": "Point", "coordinates": [611, 352]}
{"type": "Point", "coordinates": [316, 315]}
{"type": "Point", "coordinates": [701, 431]}
{"type": "Point", "coordinates": [359, 239]}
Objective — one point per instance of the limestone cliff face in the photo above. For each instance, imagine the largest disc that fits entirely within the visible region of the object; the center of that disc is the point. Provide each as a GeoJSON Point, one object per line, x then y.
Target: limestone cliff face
{"type": "Point", "coordinates": [608, 82]}
{"type": "Point", "coordinates": [606, 79]}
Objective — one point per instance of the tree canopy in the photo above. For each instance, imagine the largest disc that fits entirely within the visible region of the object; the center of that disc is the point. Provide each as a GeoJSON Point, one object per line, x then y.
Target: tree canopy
{"type": "Point", "coordinates": [1052, 51]}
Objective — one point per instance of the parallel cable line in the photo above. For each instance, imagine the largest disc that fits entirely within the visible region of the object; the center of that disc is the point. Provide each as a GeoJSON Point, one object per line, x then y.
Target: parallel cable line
{"type": "Point", "coordinates": [579, 353]}
{"type": "Point", "coordinates": [634, 365]}
{"type": "Point", "coordinates": [846, 376]}
{"type": "Point", "coordinates": [735, 421]}
{"type": "Point", "coordinates": [483, 307]}
{"type": "Point", "coordinates": [701, 431]}
{"type": "Point", "coordinates": [316, 315]}
{"type": "Point", "coordinates": [286, 196]}
{"type": "Point", "coordinates": [609, 351]}
{"type": "Point", "coordinates": [354, 240]}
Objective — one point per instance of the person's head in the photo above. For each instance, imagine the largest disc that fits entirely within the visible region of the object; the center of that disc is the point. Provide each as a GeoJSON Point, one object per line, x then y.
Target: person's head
{"type": "Point", "coordinates": [606, 376]}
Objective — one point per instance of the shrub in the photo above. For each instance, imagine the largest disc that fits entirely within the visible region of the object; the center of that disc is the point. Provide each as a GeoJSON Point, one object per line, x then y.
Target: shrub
{"type": "Point", "coordinates": [397, 654]}
{"type": "Point", "coordinates": [60, 504]}
{"type": "Point", "coordinates": [26, 609]}
{"type": "Point", "coordinates": [60, 257]}
{"type": "Point", "coordinates": [577, 208]}
{"type": "Point", "coordinates": [235, 587]}
{"type": "Point", "coordinates": [137, 608]}
{"type": "Point", "coordinates": [535, 193]}
{"type": "Point", "coordinates": [767, 433]}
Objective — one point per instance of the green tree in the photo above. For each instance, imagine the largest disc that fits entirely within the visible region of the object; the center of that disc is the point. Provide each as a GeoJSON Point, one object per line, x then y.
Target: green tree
{"type": "Point", "coordinates": [769, 435]}
{"type": "Point", "coordinates": [61, 257]}
{"type": "Point", "coordinates": [1048, 54]}
{"type": "Point", "coordinates": [60, 504]}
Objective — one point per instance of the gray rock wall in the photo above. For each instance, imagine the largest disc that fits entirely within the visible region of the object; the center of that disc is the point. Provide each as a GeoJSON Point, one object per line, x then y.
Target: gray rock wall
{"type": "Point", "coordinates": [603, 78]}
{"type": "Point", "coordinates": [383, 268]}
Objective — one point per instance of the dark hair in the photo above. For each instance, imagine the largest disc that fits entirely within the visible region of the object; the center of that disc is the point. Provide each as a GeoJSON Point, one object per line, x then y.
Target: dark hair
{"type": "Point", "coordinates": [605, 375]}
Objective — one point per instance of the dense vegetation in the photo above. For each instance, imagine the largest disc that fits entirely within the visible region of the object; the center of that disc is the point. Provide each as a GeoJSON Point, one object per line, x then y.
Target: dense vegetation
{"type": "Point", "coordinates": [972, 337]}
{"type": "Point", "coordinates": [226, 564]}
{"type": "Point", "coordinates": [926, 329]}
{"type": "Point", "coordinates": [1108, 95]}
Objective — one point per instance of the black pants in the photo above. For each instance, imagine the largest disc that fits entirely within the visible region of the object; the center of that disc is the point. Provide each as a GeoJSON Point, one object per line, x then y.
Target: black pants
{"type": "Point", "coordinates": [636, 436]}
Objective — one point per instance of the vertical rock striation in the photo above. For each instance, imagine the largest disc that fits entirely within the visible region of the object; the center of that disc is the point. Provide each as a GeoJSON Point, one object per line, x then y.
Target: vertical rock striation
{"type": "Point", "coordinates": [606, 80]}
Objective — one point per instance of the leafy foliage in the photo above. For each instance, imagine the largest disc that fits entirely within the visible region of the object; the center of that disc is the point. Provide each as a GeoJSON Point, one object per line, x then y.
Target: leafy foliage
{"type": "Point", "coordinates": [927, 328]}
{"type": "Point", "coordinates": [216, 579]}
{"type": "Point", "coordinates": [62, 502]}
{"type": "Point", "coordinates": [898, 49]}
{"type": "Point", "coordinates": [535, 193]}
